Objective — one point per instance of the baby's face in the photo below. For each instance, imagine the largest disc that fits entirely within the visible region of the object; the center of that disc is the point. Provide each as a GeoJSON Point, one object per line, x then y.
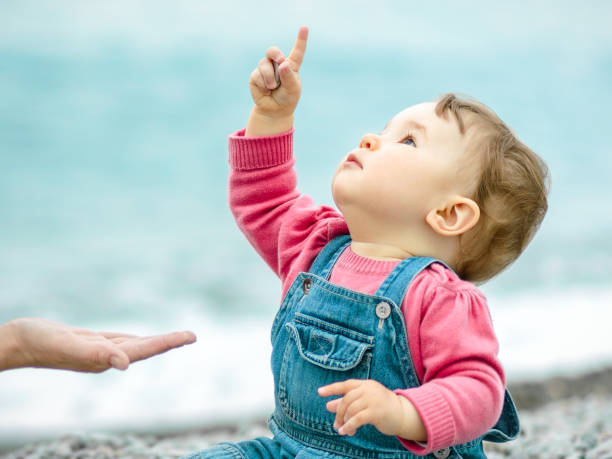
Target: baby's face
{"type": "Point", "coordinates": [399, 175]}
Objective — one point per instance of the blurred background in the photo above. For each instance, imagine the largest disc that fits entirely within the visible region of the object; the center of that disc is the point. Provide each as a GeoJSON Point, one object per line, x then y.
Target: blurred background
{"type": "Point", "coordinates": [114, 119]}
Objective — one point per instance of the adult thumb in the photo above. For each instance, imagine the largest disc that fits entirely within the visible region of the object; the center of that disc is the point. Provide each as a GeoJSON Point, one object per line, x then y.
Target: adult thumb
{"type": "Point", "coordinates": [119, 360]}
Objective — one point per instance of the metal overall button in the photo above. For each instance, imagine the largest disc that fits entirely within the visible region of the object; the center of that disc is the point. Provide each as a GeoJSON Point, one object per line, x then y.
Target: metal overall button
{"type": "Point", "coordinates": [306, 285]}
{"type": "Point", "coordinates": [442, 453]}
{"type": "Point", "coordinates": [383, 310]}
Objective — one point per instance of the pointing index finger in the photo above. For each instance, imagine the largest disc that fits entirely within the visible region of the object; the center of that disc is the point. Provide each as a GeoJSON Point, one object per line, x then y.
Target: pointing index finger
{"type": "Point", "coordinates": [299, 48]}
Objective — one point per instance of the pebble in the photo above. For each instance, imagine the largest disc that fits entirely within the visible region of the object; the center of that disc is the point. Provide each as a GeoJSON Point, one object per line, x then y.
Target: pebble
{"type": "Point", "coordinates": [579, 427]}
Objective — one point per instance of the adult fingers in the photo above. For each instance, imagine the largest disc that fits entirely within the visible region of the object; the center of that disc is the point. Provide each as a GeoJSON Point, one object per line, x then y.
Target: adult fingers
{"type": "Point", "coordinates": [299, 49]}
{"type": "Point", "coordinates": [112, 335]}
{"type": "Point", "coordinates": [143, 348]}
{"type": "Point", "coordinates": [122, 339]}
{"type": "Point", "coordinates": [95, 357]}
{"type": "Point", "coordinates": [119, 360]}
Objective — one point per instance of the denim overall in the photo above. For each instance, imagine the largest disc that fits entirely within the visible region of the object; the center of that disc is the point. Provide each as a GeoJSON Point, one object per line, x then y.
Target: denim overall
{"type": "Point", "coordinates": [324, 333]}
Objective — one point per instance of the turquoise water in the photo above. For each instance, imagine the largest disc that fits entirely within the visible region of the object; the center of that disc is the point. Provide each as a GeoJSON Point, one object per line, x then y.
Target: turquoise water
{"type": "Point", "coordinates": [113, 126]}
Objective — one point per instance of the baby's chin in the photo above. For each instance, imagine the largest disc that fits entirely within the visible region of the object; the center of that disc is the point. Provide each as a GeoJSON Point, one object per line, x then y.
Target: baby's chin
{"type": "Point", "coordinates": [336, 192]}
{"type": "Point", "coordinates": [340, 196]}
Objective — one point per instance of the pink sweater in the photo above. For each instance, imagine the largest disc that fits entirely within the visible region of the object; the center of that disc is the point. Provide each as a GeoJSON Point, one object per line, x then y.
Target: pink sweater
{"type": "Point", "coordinates": [449, 329]}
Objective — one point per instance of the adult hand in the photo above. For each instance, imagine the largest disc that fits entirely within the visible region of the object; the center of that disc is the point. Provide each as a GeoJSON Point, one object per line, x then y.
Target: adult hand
{"type": "Point", "coordinates": [30, 342]}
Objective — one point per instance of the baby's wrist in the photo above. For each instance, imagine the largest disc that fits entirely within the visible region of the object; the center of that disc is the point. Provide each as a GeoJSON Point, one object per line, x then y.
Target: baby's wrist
{"type": "Point", "coordinates": [260, 124]}
{"type": "Point", "coordinates": [411, 425]}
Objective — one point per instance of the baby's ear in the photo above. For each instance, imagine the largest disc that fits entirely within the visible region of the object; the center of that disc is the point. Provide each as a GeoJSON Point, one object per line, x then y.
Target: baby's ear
{"type": "Point", "coordinates": [457, 216]}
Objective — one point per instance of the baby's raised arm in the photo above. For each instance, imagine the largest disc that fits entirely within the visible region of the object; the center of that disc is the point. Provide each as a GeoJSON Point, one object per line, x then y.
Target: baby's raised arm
{"type": "Point", "coordinates": [274, 102]}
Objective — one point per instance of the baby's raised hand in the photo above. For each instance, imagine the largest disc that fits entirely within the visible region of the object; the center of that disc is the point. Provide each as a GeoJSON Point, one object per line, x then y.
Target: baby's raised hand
{"type": "Point", "coordinates": [366, 401]}
{"type": "Point", "coordinates": [276, 93]}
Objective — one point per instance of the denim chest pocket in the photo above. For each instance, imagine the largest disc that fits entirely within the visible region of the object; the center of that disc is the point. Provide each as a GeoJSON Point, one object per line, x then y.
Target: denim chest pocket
{"type": "Point", "coordinates": [318, 353]}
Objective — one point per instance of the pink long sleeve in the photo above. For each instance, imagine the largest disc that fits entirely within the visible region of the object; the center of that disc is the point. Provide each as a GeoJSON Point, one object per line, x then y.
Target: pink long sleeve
{"type": "Point", "coordinates": [450, 335]}
{"type": "Point", "coordinates": [286, 229]}
{"type": "Point", "coordinates": [454, 349]}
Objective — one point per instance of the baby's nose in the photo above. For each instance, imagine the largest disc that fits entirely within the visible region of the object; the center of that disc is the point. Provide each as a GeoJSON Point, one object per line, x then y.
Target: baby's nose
{"type": "Point", "coordinates": [370, 141]}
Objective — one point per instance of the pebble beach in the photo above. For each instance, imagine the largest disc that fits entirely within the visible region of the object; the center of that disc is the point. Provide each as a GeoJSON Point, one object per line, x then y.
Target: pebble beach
{"type": "Point", "coordinates": [561, 417]}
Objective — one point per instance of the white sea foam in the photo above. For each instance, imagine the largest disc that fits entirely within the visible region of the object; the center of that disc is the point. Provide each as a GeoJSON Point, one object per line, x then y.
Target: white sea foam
{"type": "Point", "coordinates": [550, 332]}
{"type": "Point", "coordinates": [223, 376]}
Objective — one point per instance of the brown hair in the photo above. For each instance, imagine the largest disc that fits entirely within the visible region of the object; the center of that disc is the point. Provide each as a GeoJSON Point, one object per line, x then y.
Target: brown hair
{"type": "Point", "coordinates": [511, 190]}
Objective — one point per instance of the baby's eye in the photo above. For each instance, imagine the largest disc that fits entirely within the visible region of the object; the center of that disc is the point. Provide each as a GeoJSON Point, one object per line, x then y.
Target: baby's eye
{"type": "Point", "coordinates": [409, 140]}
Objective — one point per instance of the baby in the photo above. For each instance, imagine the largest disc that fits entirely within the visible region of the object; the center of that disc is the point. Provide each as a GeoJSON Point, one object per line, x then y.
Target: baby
{"type": "Point", "coordinates": [383, 346]}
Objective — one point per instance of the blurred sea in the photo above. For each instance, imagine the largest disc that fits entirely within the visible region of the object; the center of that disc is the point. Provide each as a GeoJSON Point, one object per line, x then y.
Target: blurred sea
{"type": "Point", "coordinates": [114, 119]}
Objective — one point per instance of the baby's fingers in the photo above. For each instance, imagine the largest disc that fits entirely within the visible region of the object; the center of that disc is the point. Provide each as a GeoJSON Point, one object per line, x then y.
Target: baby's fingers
{"type": "Point", "coordinates": [355, 422]}
{"type": "Point", "coordinates": [263, 76]}
{"type": "Point", "coordinates": [347, 407]}
{"type": "Point", "coordinates": [275, 54]}
{"type": "Point", "coordinates": [339, 388]}
{"type": "Point", "coordinates": [299, 49]}
{"type": "Point", "coordinates": [332, 406]}
{"type": "Point", "coordinates": [276, 57]}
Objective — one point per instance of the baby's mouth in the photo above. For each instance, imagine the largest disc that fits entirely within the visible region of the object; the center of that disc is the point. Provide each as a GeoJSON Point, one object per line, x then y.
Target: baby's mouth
{"type": "Point", "coordinates": [352, 159]}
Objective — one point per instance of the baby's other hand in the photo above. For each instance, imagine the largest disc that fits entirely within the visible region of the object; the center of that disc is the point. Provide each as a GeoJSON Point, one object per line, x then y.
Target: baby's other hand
{"type": "Point", "coordinates": [276, 94]}
{"type": "Point", "coordinates": [364, 401]}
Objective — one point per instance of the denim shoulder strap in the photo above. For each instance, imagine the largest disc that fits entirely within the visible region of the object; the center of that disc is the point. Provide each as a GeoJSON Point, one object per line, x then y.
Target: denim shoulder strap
{"type": "Point", "coordinates": [327, 257]}
{"type": "Point", "coordinates": [395, 285]}
{"type": "Point", "coordinates": [394, 288]}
